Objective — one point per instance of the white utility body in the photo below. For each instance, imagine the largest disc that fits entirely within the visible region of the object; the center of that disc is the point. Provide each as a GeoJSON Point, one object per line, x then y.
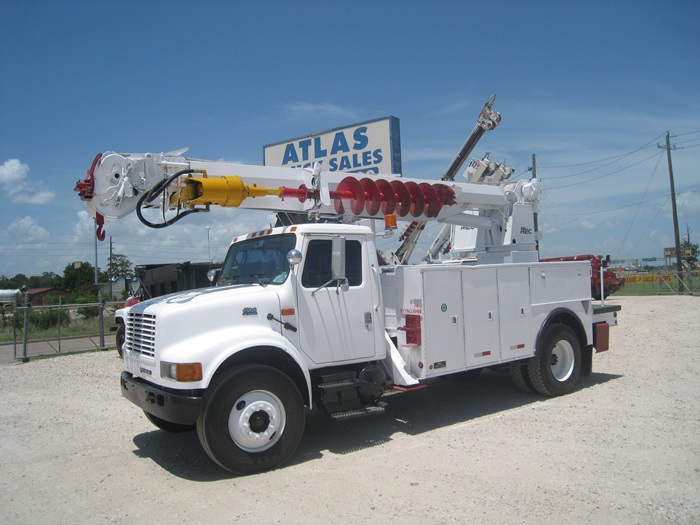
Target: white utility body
{"type": "Point", "coordinates": [310, 316]}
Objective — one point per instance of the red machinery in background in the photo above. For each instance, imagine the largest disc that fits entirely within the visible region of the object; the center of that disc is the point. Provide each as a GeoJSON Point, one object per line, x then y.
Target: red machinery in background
{"type": "Point", "coordinates": [611, 281]}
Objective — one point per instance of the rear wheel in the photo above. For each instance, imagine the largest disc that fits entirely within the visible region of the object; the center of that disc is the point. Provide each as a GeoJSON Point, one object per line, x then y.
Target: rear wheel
{"type": "Point", "coordinates": [557, 363]}
{"type": "Point", "coordinates": [520, 376]}
{"type": "Point", "coordinates": [252, 419]}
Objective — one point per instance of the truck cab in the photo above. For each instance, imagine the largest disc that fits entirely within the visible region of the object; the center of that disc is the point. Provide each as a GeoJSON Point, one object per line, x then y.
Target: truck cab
{"type": "Point", "coordinates": [303, 302]}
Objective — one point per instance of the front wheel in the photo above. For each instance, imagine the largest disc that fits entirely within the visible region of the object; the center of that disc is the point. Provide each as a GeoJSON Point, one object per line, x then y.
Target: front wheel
{"type": "Point", "coordinates": [120, 338]}
{"type": "Point", "coordinates": [557, 363]}
{"type": "Point", "coordinates": [252, 419]}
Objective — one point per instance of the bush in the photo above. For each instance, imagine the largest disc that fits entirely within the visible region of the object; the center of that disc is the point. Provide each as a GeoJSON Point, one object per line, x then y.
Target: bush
{"type": "Point", "coordinates": [42, 320]}
{"type": "Point", "coordinates": [83, 298]}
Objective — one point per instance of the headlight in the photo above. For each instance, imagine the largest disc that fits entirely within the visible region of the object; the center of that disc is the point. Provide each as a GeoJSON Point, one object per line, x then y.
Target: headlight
{"type": "Point", "coordinates": [183, 372]}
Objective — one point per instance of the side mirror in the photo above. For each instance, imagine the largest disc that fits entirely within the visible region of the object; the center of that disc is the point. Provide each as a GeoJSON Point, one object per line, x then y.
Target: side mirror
{"type": "Point", "coordinates": [213, 275]}
{"type": "Point", "coordinates": [338, 258]}
{"type": "Point", "coordinates": [293, 257]}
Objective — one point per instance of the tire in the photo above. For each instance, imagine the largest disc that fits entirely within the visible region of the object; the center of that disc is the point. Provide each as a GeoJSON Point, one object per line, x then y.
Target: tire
{"type": "Point", "coordinates": [252, 419]}
{"type": "Point", "coordinates": [520, 376]}
{"type": "Point", "coordinates": [120, 338]}
{"type": "Point", "coordinates": [556, 367]}
{"type": "Point", "coordinates": [162, 424]}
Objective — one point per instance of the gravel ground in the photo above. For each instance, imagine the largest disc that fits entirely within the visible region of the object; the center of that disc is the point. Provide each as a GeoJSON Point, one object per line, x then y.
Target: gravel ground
{"type": "Point", "coordinates": [623, 448]}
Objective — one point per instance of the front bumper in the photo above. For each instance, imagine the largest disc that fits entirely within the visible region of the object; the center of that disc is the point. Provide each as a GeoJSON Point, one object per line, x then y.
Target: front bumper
{"type": "Point", "coordinates": [164, 404]}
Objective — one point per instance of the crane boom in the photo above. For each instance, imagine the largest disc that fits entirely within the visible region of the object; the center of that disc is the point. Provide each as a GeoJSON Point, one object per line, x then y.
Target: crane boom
{"type": "Point", "coordinates": [488, 120]}
{"type": "Point", "coordinates": [124, 183]}
{"type": "Point", "coordinates": [118, 184]}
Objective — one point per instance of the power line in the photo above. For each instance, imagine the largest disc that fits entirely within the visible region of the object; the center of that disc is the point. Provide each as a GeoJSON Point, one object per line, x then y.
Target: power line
{"type": "Point", "coordinates": [639, 205]}
{"type": "Point", "coordinates": [648, 226]}
{"type": "Point", "coordinates": [604, 211]}
{"type": "Point", "coordinates": [647, 145]}
{"type": "Point", "coordinates": [685, 142]}
{"type": "Point", "coordinates": [606, 174]}
{"type": "Point", "coordinates": [687, 133]}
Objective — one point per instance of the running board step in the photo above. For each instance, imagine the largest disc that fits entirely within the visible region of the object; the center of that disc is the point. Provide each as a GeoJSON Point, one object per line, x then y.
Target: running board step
{"type": "Point", "coordinates": [336, 385]}
{"type": "Point", "coordinates": [358, 412]}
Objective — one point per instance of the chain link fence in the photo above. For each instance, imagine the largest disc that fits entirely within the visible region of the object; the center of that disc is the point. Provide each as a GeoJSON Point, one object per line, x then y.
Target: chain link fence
{"type": "Point", "coordinates": [28, 331]}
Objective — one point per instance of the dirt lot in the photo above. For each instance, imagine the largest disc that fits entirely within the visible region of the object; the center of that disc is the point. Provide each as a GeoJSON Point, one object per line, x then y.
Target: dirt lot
{"type": "Point", "coordinates": [623, 448]}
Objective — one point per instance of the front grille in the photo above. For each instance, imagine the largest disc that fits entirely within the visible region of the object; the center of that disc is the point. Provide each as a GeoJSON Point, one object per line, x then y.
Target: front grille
{"type": "Point", "coordinates": [141, 334]}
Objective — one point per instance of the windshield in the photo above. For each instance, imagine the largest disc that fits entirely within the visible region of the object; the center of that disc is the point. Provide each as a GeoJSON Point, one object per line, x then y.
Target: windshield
{"type": "Point", "coordinates": [261, 260]}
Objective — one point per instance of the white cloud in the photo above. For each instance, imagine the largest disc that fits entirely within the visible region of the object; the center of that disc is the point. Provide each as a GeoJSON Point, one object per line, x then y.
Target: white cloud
{"type": "Point", "coordinates": [306, 110]}
{"type": "Point", "coordinates": [27, 229]}
{"type": "Point", "coordinates": [24, 248]}
{"type": "Point", "coordinates": [15, 184]}
{"type": "Point", "coordinates": [688, 204]}
{"type": "Point", "coordinates": [40, 197]}
{"type": "Point", "coordinates": [13, 171]}
{"type": "Point", "coordinates": [84, 227]}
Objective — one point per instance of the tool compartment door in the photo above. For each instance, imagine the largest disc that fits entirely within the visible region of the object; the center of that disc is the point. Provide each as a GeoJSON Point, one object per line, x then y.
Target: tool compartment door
{"type": "Point", "coordinates": [515, 313]}
{"type": "Point", "coordinates": [481, 317]}
{"type": "Point", "coordinates": [443, 337]}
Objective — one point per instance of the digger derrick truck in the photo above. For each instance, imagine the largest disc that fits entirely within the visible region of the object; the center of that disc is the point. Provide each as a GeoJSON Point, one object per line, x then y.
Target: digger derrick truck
{"type": "Point", "coordinates": [304, 316]}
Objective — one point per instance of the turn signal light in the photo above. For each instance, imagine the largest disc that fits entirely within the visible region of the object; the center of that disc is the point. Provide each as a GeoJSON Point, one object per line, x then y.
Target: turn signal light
{"type": "Point", "coordinates": [182, 372]}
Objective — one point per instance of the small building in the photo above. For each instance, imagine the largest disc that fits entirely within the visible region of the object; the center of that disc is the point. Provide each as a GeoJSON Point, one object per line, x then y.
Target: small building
{"type": "Point", "coordinates": [38, 296]}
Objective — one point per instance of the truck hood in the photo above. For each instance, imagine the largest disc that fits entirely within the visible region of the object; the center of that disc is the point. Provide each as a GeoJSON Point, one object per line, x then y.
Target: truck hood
{"type": "Point", "coordinates": [200, 297]}
{"type": "Point", "coordinates": [181, 316]}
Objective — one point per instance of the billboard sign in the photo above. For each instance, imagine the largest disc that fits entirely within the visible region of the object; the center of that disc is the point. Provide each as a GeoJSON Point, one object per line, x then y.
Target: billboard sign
{"type": "Point", "coordinates": [670, 253]}
{"type": "Point", "coordinates": [367, 147]}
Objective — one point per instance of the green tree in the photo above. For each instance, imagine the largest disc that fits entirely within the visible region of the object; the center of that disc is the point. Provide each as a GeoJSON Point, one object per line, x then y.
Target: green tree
{"type": "Point", "coordinates": [118, 266]}
{"type": "Point", "coordinates": [45, 280]}
{"type": "Point", "coordinates": [79, 276]}
{"type": "Point", "coordinates": [8, 283]}
{"type": "Point", "coordinates": [685, 244]}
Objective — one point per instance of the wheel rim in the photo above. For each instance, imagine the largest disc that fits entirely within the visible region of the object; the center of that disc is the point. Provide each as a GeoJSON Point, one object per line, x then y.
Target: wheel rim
{"type": "Point", "coordinates": [256, 421]}
{"type": "Point", "coordinates": [562, 361]}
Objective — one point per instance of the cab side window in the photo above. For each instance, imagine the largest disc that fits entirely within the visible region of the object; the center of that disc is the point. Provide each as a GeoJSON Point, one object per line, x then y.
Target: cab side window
{"type": "Point", "coordinates": [317, 264]}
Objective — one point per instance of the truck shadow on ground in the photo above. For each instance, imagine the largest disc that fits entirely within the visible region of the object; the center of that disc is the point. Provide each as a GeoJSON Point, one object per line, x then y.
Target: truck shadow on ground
{"type": "Point", "coordinates": [445, 402]}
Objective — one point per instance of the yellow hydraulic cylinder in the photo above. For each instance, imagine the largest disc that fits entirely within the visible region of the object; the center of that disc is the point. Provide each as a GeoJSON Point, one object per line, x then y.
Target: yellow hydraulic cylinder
{"type": "Point", "coordinates": [229, 191]}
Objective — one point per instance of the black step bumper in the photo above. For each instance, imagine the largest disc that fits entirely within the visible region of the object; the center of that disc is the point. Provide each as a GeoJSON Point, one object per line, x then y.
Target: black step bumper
{"type": "Point", "coordinates": [164, 404]}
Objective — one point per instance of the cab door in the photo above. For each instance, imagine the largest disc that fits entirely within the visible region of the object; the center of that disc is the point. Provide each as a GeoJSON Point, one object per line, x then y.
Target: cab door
{"type": "Point", "coordinates": [337, 324]}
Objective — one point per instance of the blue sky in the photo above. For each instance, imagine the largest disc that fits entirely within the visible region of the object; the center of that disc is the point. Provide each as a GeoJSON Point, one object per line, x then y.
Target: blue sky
{"type": "Point", "coordinates": [589, 87]}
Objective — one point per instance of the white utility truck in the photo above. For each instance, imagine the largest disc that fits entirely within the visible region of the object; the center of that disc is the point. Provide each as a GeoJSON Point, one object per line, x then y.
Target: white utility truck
{"type": "Point", "coordinates": [310, 316]}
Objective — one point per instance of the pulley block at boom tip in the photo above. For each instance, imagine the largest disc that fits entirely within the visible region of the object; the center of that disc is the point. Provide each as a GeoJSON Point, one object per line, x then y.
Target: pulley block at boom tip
{"type": "Point", "coordinates": [488, 120]}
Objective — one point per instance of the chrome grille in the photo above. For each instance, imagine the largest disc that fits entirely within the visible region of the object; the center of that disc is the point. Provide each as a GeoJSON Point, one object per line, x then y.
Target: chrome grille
{"type": "Point", "coordinates": [141, 334]}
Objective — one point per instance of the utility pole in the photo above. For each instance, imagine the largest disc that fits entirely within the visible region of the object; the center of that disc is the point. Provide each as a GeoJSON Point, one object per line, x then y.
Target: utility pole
{"type": "Point", "coordinates": [676, 233]}
{"type": "Point", "coordinates": [109, 268]}
{"type": "Point", "coordinates": [533, 169]}
{"type": "Point", "coordinates": [110, 249]}
{"type": "Point", "coordinates": [95, 253]}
